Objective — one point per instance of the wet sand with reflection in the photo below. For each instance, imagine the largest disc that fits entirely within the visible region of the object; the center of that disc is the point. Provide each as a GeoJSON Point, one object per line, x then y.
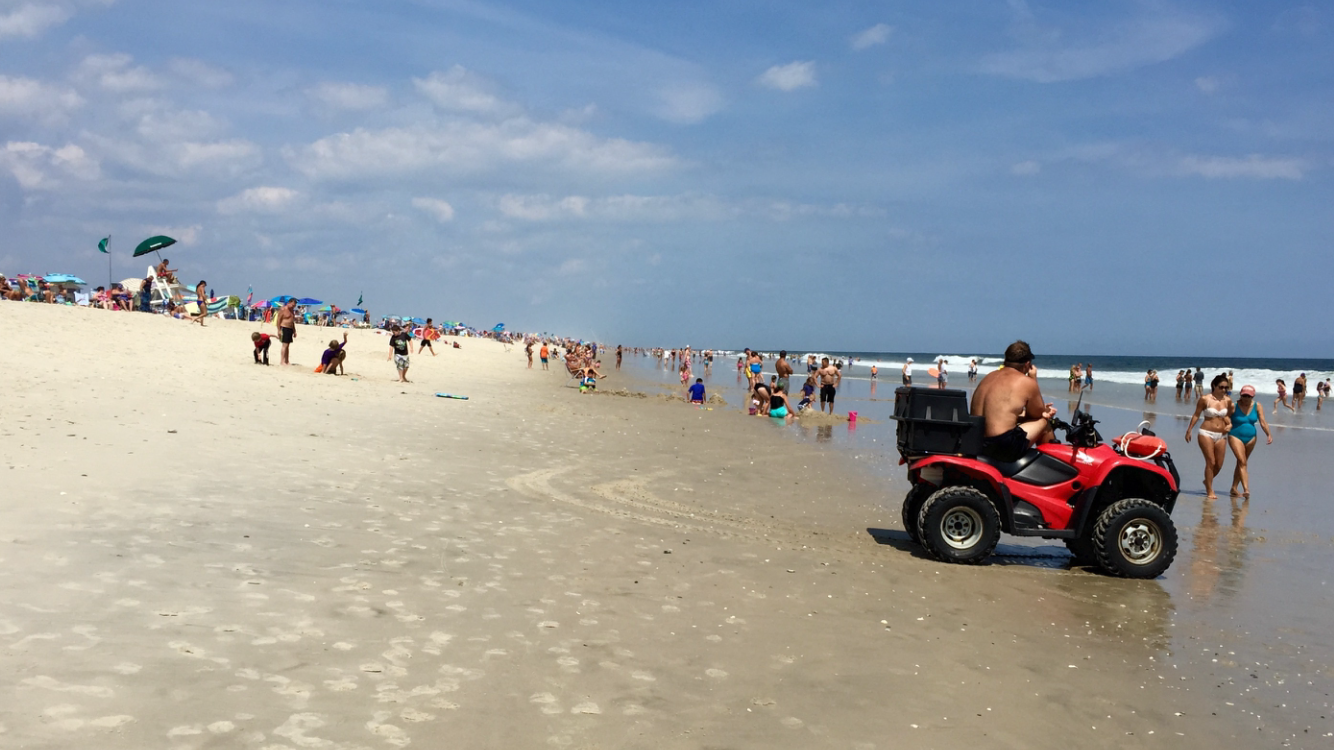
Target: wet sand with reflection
{"type": "Point", "coordinates": [1241, 617]}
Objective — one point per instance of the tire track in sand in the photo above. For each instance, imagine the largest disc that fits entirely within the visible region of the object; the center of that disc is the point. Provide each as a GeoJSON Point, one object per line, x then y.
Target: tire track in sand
{"type": "Point", "coordinates": [630, 499]}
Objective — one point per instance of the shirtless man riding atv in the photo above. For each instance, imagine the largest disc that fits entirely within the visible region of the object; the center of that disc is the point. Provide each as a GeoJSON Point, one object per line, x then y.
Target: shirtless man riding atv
{"type": "Point", "coordinates": [1009, 400]}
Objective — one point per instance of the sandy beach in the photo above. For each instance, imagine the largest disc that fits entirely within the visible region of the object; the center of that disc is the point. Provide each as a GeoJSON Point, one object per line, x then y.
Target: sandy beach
{"type": "Point", "coordinates": [197, 552]}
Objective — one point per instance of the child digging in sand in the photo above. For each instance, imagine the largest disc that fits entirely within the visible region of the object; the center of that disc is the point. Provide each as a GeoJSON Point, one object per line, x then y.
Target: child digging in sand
{"type": "Point", "coordinates": [331, 362]}
{"type": "Point", "coordinates": [262, 342]}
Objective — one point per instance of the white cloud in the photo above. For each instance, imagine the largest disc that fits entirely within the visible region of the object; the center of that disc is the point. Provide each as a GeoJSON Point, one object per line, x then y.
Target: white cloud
{"type": "Point", "coordinates": [200, 73]}
{"type": "Point", "coordinates": [351, 96]}
{"type": "Point", "coordinates": [461, 90]}
{"type": "Point", "coordinates": [186, 235]}
{"type": "Point", "coordinates": [1026, 168]}
{"type": "Point", "coordinates": [31, 19]}
{"type": "Point", "coordinates": [666, 208]}
{"type": "Point", "coordinates": [25, 97]}
{"type": "Point", "coordinates": [116, 73]}
{"type": "Point", "coordinates": [174, 126]}
{"type": "Point", "coordinates": [877, 34]}
{"type": "Point", "coordinates": [441, 210]}
{"type": "Point", "coordinates": [36, 166]}
{"type": "Point", "coordinates": [472, 146]}
{"type": "Point", "coordinates": [1254, 166]}
{"type": "Point", "coordinates": [688, 103]}
{"type": "Point", "coordinates": [542, 207]}
{"type": "Point", "coordinates": [1049, 54]}
{"type": "Point", "coordinates": [1206, 84]}
{"type": "Point", "coordinates": [177, 158]}
{"type": "Point", "coordinates": [262, 199]}
{"type": "Point", "coordinates": [789, 77]}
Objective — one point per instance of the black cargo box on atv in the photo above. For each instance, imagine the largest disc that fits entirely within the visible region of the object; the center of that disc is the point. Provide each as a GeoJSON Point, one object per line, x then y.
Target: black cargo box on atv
{"type": "Point", "coordinates": [936, 421]}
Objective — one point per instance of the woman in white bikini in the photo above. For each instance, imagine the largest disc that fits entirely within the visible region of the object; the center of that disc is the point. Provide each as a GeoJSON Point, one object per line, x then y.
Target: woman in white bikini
{"type": "Point", "coordinates": [1214, 407]}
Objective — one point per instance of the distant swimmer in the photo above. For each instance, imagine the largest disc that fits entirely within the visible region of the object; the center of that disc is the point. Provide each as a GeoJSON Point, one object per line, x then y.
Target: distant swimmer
{"type": "Point", "coordinates": [874, 372]}
{"type": "Point", "coordinates": [907, 372]}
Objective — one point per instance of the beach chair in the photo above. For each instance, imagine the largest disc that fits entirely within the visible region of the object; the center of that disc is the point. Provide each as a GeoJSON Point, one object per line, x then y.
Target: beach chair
{"type": "Point", "coordinates": [81, 299]}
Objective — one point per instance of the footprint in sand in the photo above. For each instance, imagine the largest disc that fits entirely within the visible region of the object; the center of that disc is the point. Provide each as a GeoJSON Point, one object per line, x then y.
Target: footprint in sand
{"type": "Point", "coordinates": [296, 727]}
{"type": "Point", "coordinates": [547, 703]}
{"type": "Point", "coordinates": [391, 734]}
{"type": "Point", "coordinates": [111, 722]}
{"type": "Point", "coordinates": [50, 683]}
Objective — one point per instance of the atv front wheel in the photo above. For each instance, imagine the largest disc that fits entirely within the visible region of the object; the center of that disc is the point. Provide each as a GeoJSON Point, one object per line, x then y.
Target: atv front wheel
{"type": "Point", "coordinates": [912, 506]}
{"type": "Point", "coordinates": [959, 525]}
{"type": "Point", "coordinates": [1134, 538]}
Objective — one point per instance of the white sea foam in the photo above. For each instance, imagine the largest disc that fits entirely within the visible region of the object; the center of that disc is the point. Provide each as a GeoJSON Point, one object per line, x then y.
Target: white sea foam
{"type": "Point", "coordinates": [1263, 380]}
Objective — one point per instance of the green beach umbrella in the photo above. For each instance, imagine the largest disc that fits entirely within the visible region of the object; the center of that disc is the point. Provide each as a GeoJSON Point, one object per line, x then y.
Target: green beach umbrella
{"type": "Point", "coordinates": [153, 244]}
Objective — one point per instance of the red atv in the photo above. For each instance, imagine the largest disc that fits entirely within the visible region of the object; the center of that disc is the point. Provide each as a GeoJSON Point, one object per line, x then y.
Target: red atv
{"type": "Point", "coordinates": [1111, 504]}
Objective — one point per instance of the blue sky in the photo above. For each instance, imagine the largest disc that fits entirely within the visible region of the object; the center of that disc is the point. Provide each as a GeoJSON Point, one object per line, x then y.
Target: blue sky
{"type": "Point", "coordinates": [1120, 177]}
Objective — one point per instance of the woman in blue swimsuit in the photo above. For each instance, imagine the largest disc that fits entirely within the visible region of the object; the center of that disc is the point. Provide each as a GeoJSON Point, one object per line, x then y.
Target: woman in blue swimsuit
{"type": "Point", "coordinates": [1246, 414]}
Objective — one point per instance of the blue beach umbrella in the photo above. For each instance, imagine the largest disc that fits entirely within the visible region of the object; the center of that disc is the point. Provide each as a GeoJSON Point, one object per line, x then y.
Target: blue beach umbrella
{"type": "Point", "coordinates": [309, 301]}
{"type": "Point", "coordinates": [357, 310]}
{"type": "Point", "coordinates": [63, 278]}
{"type": "Point", "coordinates": [281, 299]}
{"type": "Point", "coordinates": [418, 321]}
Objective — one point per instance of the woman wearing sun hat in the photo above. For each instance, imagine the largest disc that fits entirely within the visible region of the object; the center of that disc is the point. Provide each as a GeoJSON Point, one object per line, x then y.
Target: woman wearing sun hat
{"type": "Point", "coordinates": [1246, 414]}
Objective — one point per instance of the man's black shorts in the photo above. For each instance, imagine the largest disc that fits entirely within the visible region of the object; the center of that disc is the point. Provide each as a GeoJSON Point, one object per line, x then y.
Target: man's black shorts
{"type": "Point", "coordinates": [287, 334]}
{"type": "Point", "coordinates": [826, 394]}
{"type": "Point", "coordinates": [1007, 446]}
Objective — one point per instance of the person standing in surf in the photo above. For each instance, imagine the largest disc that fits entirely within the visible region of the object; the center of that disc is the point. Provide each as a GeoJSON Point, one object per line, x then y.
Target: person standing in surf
{"type": "Point", "coordinates": [830, 380]}
{"type": "Point", "coordinates": [1246, 414]}
{"type": "Point", "coordinates": [1088, 375]}
{"type": "Point", "coordinates": [1214, 407]}
{"type": "Point", "coordinates": [1298, 392]}
{"type": "Point", "coordinates": [784, 370]}
{"type": "Point", "coordinates": [907, 372]}
{"type": "Point", "coordinates": [972, 370]}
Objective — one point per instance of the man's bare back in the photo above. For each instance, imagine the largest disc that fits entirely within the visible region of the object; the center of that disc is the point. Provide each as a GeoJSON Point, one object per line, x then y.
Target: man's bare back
{"type": "Point", "coordinates": [1010, 402]}
{"type": "Point", "coordinates": [1005, 397]}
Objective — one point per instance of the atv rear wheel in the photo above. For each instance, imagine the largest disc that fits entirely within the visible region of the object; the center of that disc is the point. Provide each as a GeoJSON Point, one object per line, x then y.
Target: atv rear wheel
{"type": "Point", "coordinates": [1134, 538]}
{"type": "Point", "coordinates": [959, 525]}
{"type": "Point", "coordinates": [912, 506]}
